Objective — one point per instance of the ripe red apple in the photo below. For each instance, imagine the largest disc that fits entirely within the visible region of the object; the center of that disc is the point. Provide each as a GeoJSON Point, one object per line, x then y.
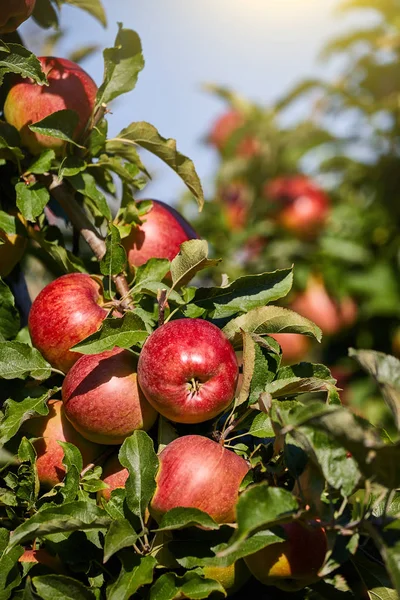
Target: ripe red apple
{"type": "Point", "coordinates": [232, 578]}
{"type": "Point", "coordinates": [114, 475]}
{"type": "Point", "coordinates": [225, 126]}
{"type": "Point", "coordinates": [160, 236]}
{"type": "Point", "coordinates": [235, 201]}
{"type": "Point", "coordinates": [196, 472]}
{"type": "Point", "coordinates": [52, 428]}
{"type": "Point", "coordinates": [294, 346]}
{"type": "Point", "coordinates": [13, 13]}
{"type": "Point", "coordinates": [102, 398]}
{"type": "Point", "coordinates": [316, 304]}
{"type": "Point", "coordinates": [64, 313]}
{"type": "Point", "coordinates": [299, 558]}
{"type": "Point", "coordinates": [70, 87]}
{"type": "Point", "coordinates": [302, 206]}
{"type": "Point", "coordinates": [188, 370]}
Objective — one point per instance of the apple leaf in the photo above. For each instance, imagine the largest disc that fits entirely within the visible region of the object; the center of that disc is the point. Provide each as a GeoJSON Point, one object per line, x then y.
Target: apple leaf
{"type": "Point", "coordinates": [114, 260]}
{"type": "Point", "coordinates": [42, 163]}
{"type": "Point", "coordinates": [31, 199]}
{"type": "Point", "coordinates": [179, 518]}
{"type": "Point", "coordinates": [16, 413]}
{"type": "Point", "coordinates": [245, 293]}
{"type": "Point", "coordinates": [154, 269]}
{"type": "Point", "coordinates": [93, 7]}
{"type": "Point", "coordinates": [70, 166]}
{"type": "Point", "coordinates": [375, 577]}
{"type": "Point", "coordinates": [261, 426]}
{"type": "Point", "coordinates": [45, 15]}
{"type": "Point", "coordinates": [138, 456]}
{"type": "Point", "coordinates": [8, 223]}
{"type": "Point", "coordinates": [127, 172]}
{"type": "Point", "coordinates": [15, 58]}
{"type": "Point", "coordinates": [125, 332]}
{"type": "Point", "coordinates": [60, 124]}
{"type": "Point", "coordinates": [119, 535]}
{"type": "Point", "coordinates": [71, 516]}
{"type": "Point", "coordinates": [192, 258]}
{"type": "Point", "coordinates": [270, 319]}
{"type": "Point", "coordinates": [191, 585]}
{"type": "Point", "coordinates": [10, 143]}
{"type": "Point", "coordinates": [122, 65]}
{"type": "Point", "coordinates": [73, 464]}
{"type": "Point", "coordinates": [60, 587]}
{"type": "Point", "coordinates": [145, 135]}
{"type": "Point", "coordinates": [135, 572]}
{"type": "Point", "coordinates": [10, 575]}
{"type": "Point", "coordinates": [9, 316]}
{"type": "Point", "coordinates": [85, 184]}
{"type": "Point", "coordinates": [385, 369]}
{"type": "Point", "coordinates": [18, 360]}
{"type": "Point", "coordinates": [50, 241]}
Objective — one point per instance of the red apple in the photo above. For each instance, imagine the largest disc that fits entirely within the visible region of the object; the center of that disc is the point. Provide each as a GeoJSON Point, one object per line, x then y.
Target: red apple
{"type": "Point", "coordinates": [196, 472]}
{"type": "Point", "coordinates": [114, 475]}
{"type": "Point", "coordinates": [225, 126]}
{"type": "Point", "coordinates": [13, 13]}
{"type": "Point", "coordinates": [102, 399]}
{"type": "Point", "coordinates": [52, 428]}
{"type": "Point", "coordinates": [316, 304]}
{"type": "Point", "coordinates": [188, 370]}
{"type": "Point", "coordinates": [160, 236]}
{"type": "Point", "coordinates": [234, 198]}
{"type": "Point", "coordinates": [65, 312]}
{"type": "Point", "coordinates": [299, 558]}
{"type": "Point", "coordinates": [70, 87]}
{"type": "Point", "coordinates": [302, 206]}
{"type": "Point", "coordinates": [294, 346]}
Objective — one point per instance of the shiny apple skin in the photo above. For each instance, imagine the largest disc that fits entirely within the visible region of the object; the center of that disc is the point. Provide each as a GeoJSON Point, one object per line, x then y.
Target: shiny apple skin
{"type": "Point", "coordinates": [160, 236]}
{"type": "Point", "coordinates": [65, 312]}
{"type": "Point", "coordinates": [114, 475]}
{"type": "Point", "coordinates": [53, 428]}
{"type": "Point", "coordinates": [27, 102]}
{"type": "Point", "coordinates": [196, 472]}
{"type": "Point", "coordinates": [13, 13]}
{"type": "Point", "coordinates": [188, 370]}
{"type": "Point", "coordinates": [102, 399]}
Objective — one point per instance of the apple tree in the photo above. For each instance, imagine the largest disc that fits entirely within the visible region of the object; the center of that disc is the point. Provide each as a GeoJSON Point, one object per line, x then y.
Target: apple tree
{"type": "Point", "coordinates": [153, 443]}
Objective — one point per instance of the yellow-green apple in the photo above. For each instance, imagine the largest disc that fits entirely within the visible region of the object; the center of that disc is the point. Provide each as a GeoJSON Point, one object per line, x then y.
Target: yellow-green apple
{"type": "Point", "coordinates": [316, 304]}
{"type": "Point", "coordinates": [162, 232]}
{"type": "Point", "coordinates": [114, 475]}
{"type": "Point", "coordinates": [188, 370]}
{"type": "Point", "coordinates": [13, 13]}
{"type": "Point", "coordinates": [302, 206]}
{"type": "Point", "coordinates": [65, 312]}
{"type": "Point", "coordinates": [196, 472]}
{"type": "Point", "coordinates": [232, 577]}
{"type": "Point", "coordinates": [102, 398]}
{"type": "Point", "coordinates": [294, 346]}
{"type": "Point", "coordinates": [27, 102]}
{"type": "Point", "coordinates": [50, 429]}
{"type": "Point", "coordinates": [295, 562]}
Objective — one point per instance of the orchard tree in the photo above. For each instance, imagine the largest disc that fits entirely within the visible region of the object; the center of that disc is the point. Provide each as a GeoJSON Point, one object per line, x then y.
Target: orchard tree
{"type": "Point", "coordinates": [153, 444]}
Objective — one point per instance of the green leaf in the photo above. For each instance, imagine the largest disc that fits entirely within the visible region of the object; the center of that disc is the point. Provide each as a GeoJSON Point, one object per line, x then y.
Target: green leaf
{"type": "Point", "coordinates": [270, 319]}
{"type": "Point", "coordinates": [120, 535]}
{"type": "Point", "coordinates": [17, 59]}
{"type": "Point", "coordinates": [192, 258]}
{"type": "Point", "coordinates": [191, 585]}
{"type": "Point", "coordinates": [114, 260]}
{"type": "Point", "coordinates": [135, 572]}
{"type": "Point", "coordinates": [122, 65]}
{"type": "Point", "coordinates": [154, 269]}
{"type": "Point", "coordinates": [59, 587]}
{"type": "Point", "coordinates": [261, 427]}
{"type": "Point", "coordinates": [246, 293]}
{"type": "Point", "coordinates": [61, 124]}
{"type": "Point", "coordinates": [9, 316]}
{"type": "Point", "coordinates": [8, 223]}
{"type": "Point", "coordinates": [44, 14]}
{"type": "Point", "coordinates": [16, 413]}
{"type": "Point", "coordinates": [71, 516]}
{"type": "Point", "coordinates": [93, 7]}
{"type": "Point", "coordinates": [179, 518]}
{"type": "Point", "coordinates": [125, 332]}
{"type": "Point", "coordinates": [42, 163]}
{"type": "Point", "coordinates": [71, 166]}
{"type": "Point", "coordinates": [50, 242]}
{"type": "Point", "coordinates": [31, 199]}
{"type": "Point", "coordinates": [146, 135]}
{"type": "Point", "coordinates": [18, 360]}
{"type": "Point", "coordinates": [138, 456]}
{"type": "Point", "coordinates": [9, 572]}
{"type": "Point", "coordinates": [85, 184]}
{"type": "Point", "coordinates": [385, 369]}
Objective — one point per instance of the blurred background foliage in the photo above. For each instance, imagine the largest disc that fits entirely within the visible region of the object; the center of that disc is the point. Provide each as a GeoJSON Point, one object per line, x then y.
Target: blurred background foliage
{"type": "Point", "coordinates": [322, 193]}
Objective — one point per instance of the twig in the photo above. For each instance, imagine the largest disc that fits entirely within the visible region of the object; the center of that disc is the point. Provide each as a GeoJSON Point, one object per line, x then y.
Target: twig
{"type": "Point", "coordinates": [162, 301]}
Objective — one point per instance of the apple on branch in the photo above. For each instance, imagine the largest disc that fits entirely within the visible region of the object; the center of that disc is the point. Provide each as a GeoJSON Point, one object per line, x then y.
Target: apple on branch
{"type": "Point", "coordinates": [188, 370]}
{"type": "Point", "coordinates": [65, 312]}
{"type": "Point", "coordinates": [13, 13]}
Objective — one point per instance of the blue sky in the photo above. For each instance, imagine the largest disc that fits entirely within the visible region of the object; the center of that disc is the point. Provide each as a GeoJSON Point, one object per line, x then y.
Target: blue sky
{"type": "Point", "coordinates": [257, 47]}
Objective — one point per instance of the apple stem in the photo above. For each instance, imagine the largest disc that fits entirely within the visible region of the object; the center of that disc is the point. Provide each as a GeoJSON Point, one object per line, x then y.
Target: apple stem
{"type": "Point", "coordinates": [92, 237]}
{"type": "Point", "coordinates": [162, 302]}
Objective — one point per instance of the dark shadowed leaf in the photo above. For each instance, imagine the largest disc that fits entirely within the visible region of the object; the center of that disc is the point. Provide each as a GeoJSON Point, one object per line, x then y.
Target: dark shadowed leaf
{"type": "Point", "coordinates": [120, 535]}
{"type": "Point", "coordinates": [59, 587]}
{"type": "Point", "coordinates": [135, 572]}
